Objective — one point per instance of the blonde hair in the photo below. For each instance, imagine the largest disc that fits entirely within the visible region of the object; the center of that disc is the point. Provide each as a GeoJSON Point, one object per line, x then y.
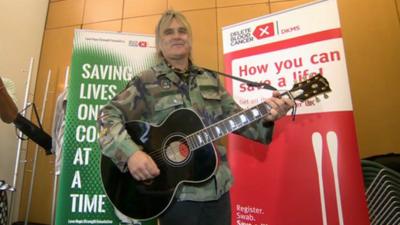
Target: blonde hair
{"type": "Point", "coordinates": [163, 24]}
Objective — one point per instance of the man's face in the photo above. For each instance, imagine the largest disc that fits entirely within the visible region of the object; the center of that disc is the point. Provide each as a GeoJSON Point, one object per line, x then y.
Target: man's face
{"type": "Point", "coordinates": [175, 41]}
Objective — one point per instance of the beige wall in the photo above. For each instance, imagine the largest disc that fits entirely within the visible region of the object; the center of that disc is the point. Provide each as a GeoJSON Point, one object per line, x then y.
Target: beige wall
{"type": "Point", "coordinates": [371, 32]}
{"type": "Point", "coordinates": [21, 25]}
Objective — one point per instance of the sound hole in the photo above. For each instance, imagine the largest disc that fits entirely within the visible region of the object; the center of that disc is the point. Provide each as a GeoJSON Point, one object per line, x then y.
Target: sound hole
{"type": "Point", "coordinates": [177, 151]}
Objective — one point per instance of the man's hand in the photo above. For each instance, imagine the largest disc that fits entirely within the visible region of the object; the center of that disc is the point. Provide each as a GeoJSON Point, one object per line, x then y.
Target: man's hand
{"type": "Point", "coordinates": [280, 106]}
{"type": "Point", "coordinates": [142, 167]}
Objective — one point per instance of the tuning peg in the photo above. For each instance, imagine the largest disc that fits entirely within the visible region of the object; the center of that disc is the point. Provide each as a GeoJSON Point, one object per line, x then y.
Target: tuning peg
{"type": "Point", "coordinates": [317, 99]}
{"type": "Point", "coordinates": [326, 95]}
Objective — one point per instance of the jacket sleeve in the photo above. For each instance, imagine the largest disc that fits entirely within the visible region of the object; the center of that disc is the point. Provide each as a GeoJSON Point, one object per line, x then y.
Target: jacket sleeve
{"type": "Point", "coordinates": [114, 139]}
{"type": "Point", "coordinates": [259, 131]}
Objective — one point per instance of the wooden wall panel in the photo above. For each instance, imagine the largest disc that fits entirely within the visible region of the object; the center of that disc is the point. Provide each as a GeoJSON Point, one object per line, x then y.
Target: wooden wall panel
{"type": "Point", "coordinates": [114, 25]}
{"type": "Point", "coordinates": [371, 37]}
{"type": "Point", "coordinates": [55, 56]}
{"type": "Point", "coordinates": [278, 6]}
{"type": "Point", "coordinates": [398, 10]}
{"type": "Point", "coordinates": [102, 10]}
{"type": "Point", "coordinates": [140, 25]}
{"type": "Point", "coordinates": [135, 8]}
{"type": "Point", "coordinates": [190, 5]}
{"type": "Point", "coordinates": [231, 15]}
{"type": "Point", "coordinates": [65, 13]}
{"type": "Point", "coordinates": [228, 3]}
{"type": "Point", "coordinates": [57, 46]}
{"type": "Point", "coordinates": [276, 1]}
{"type": "Point", "coordinates": [204, 27]}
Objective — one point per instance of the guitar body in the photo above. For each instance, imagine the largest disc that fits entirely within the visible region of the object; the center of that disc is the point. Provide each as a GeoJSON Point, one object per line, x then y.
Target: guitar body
{"type": "Point", "coordinates": [178, 163]}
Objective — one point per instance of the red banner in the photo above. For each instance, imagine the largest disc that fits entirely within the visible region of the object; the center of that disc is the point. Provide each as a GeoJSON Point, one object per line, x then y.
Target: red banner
{"type": "Point", "coordinates": [310, 173]}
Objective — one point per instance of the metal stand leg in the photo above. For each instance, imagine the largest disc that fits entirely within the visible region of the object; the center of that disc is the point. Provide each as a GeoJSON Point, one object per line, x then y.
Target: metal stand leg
{"type": "Point", "coordinates": [28, 207]}
{"type": "Point", "coordinates": [19, 146]}
{"type": "Point", "coordinates": [54, 199]}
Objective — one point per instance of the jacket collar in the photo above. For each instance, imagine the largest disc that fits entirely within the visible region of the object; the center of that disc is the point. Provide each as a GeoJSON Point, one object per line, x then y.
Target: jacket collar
{"type": "Point", "coordinates": [165, 69]}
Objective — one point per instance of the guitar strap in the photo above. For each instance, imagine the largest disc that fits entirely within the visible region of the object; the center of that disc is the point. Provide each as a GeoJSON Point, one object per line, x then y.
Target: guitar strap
{"type": "Point", "coordinates": [255, 84]}
{"type": "Point", "coordinates": [248, 82]}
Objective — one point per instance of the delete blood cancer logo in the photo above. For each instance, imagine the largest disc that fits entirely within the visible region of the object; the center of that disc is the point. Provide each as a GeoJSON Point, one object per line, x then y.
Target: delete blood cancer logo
{"type": "Point", "coordinates": [246, 35]}
{"type": "Point", "coordinates": [264, 30]}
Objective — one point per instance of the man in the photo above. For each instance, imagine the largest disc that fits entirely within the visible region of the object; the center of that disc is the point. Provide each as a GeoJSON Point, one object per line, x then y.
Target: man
{"type": "Point", "coordinates": [173, 84]}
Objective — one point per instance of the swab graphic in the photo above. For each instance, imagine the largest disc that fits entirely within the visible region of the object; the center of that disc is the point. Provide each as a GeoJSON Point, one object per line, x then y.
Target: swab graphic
{"type": "Point", "coordinates": [317, 146]}
{"type": "Point", "coordinates": [333, 153]}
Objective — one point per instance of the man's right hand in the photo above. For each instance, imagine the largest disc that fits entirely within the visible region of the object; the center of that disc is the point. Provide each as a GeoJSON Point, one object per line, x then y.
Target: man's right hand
{"type": "Point", "coordinates": [142, 167]}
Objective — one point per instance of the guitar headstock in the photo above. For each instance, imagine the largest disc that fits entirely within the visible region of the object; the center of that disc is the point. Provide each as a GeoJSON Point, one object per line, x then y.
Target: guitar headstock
{"type": "Point", "coordinates": [309, 88]}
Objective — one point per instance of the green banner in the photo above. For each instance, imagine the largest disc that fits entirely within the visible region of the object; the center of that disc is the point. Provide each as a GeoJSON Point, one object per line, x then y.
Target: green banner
{"type": "Point", "coordinates": [102, 64]}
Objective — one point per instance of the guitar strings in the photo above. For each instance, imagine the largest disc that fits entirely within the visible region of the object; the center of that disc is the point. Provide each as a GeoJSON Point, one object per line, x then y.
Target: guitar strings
{"type": "Point", "coordinates": [158, 153]}
{"type": "Point", "coordinates": [158, 156]}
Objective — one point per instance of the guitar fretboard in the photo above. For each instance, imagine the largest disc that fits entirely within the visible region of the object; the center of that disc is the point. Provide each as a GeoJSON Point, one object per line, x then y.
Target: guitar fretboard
{"type": "Point", "coordinates": [226, 126]}
{"type": "Point", "coordinates": [300, 91]}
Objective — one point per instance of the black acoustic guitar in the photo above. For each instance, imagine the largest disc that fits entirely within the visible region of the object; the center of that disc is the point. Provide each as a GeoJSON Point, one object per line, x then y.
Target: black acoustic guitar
{"type": "Point", "coordinates": [182, 148]}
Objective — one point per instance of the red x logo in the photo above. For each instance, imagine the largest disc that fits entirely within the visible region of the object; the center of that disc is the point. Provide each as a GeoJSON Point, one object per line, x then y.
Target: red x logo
{"type": "Point", "coordinates": [264, 30]}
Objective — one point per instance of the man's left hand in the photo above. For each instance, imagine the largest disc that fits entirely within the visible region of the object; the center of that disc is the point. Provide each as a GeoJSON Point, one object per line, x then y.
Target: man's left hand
{"type": "Point", "coordinates": [279, 106]}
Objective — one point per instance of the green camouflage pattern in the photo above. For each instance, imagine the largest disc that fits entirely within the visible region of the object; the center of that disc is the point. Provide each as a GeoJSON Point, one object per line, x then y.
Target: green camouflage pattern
{"type": "Point", "coordinates": [152, 96]}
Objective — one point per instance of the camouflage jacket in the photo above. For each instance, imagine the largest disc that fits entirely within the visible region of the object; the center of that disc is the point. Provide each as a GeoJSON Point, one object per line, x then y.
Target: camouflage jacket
{"type": "Point", "coordinates": [152, 96]}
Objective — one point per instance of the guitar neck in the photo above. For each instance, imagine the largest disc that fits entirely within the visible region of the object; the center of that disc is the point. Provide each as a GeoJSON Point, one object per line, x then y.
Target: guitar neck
{"type": "Point", "coordinates": [301, 91]}
{"type": "Point", "coordinates": [226, 126]}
